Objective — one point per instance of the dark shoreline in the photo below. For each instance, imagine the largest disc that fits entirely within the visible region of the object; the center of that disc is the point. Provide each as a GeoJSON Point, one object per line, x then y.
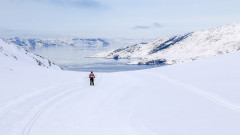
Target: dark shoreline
{"type": "Point", "coordinates": [108, 67]}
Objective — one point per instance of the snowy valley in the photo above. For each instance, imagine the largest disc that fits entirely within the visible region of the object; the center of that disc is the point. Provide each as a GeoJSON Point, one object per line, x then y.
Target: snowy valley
{"type": "Point", "coordinates": [119, 67]}
{"type": "Point", "coordinates": [192, 98]}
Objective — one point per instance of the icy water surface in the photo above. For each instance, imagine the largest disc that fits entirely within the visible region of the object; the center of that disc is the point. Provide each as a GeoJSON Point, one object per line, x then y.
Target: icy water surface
{"type": "Point", "coordinates": [109, 66]}
{"type": "Point", "coordinates": [76, 59]}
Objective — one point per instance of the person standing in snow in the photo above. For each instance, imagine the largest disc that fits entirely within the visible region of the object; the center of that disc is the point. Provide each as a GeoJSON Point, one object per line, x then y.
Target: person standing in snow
{"type": "Point", "coordinates": [92, 76]}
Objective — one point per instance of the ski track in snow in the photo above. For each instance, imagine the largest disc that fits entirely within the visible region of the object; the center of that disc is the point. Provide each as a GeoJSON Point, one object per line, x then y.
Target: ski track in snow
{"type": "Point", "coordinates": [60, 96]}
{"type": "Point", "coordinates": [44, 97]}
{"type": "Point", "coordinates": [204, 93]}
{"type": "Point", "coordinates": [49, 96]}
{"type": "Point", "coordinates": [53, 100]}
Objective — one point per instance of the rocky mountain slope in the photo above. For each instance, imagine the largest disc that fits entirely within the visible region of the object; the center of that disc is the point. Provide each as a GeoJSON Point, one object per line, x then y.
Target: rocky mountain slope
{"type": "Point", "coordinates": [186, 47]}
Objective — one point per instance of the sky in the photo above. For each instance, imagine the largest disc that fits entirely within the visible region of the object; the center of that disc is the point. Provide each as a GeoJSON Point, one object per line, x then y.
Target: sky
{"type": "Point", "coordinates": [116, 18]}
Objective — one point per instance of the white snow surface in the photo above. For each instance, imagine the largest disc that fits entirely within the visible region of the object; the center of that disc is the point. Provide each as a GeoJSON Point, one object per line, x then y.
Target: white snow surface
{"type": "Point", "coordinates": [186, 47]}
{"type": "Point", "coordinates": [13, 57]}
{"type": "Point", "coordinates": [192, 98]}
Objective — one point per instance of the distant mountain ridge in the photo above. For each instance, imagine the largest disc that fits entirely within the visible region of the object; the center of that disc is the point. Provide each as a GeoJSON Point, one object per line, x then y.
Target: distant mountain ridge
{"type": "Point", "coordinates": [33, 43]}
{"type": "Point", "coordinates": [176, 49]}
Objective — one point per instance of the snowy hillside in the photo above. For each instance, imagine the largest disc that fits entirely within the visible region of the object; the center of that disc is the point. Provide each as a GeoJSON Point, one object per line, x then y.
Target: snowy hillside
{"type": "Point", "coordinates": [191, 98]}
{"type": "Point", "coordinates": [14, 57]}
{"type": "Point", "coordinates": [187, 47]}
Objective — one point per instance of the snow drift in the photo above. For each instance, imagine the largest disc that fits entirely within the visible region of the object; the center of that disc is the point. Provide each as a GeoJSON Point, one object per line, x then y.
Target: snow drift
{"type": "Point", "coordinates": [15, 57]}
{"type": "Point", "coordinates": [186, 47]}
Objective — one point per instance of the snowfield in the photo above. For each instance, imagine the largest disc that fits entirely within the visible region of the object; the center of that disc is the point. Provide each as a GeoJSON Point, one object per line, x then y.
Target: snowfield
{"type": "Point", "coordinates": [192, 98]}
{"type": "Point", "coordinates": [176, 49]}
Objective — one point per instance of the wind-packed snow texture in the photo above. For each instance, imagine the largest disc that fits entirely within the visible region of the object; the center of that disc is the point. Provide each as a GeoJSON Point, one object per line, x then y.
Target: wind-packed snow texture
{"type": "Point", "coordinates": [191, 98]}
{"type": "Point", "coordinates": [13, 57]}
{"type": "Point", "coordinates": [187, 47]}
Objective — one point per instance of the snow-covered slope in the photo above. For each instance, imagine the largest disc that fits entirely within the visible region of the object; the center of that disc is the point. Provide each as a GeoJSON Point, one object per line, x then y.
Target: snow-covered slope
{"type": "Point", "coordinates": [190, 46]}
{"type": "Point", "coordinates": [191, 98]}
{"type": "Point", "coordinates": [14, 57]}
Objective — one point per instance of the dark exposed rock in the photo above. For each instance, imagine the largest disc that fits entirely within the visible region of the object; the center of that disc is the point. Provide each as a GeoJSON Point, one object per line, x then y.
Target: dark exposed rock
{"type": "Point", "coordinates": [153, 62]}
{"type": "Point", "coordinates": [115, 57]}
{"type": "Point", "coordinates": [170, 42]}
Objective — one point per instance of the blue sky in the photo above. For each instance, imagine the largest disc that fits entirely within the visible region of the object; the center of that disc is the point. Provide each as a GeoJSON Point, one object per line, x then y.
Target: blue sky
{"type": "Point", "coordinates": [117, 18]}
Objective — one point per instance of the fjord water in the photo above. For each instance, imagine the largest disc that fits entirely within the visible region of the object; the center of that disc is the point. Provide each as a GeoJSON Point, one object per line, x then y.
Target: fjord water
{"type": "Point", "coordinates": [105, 65]}
{"type": "Point", "coordinates": [77, 59]}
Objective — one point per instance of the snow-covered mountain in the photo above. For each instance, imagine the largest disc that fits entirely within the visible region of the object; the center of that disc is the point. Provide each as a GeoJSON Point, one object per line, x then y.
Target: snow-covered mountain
{"type": "Point", "coordinates": [34, 43]}
{"type": "Point", "coordinates": [186, 47]}
{"type": "Point", "coordinates": [14, 57]}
